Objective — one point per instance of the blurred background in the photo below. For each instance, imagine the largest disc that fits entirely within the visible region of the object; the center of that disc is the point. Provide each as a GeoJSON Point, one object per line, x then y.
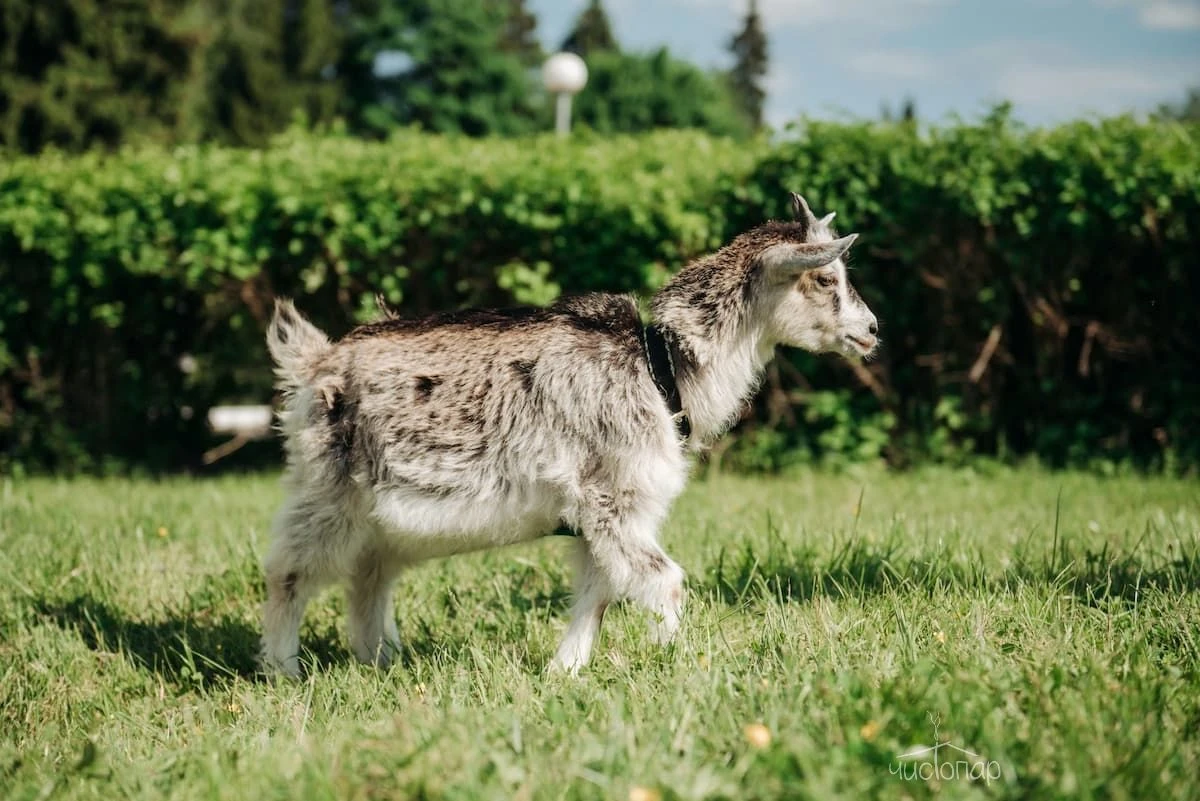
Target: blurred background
{"type": "Point", "coordinates": [1025, 177]}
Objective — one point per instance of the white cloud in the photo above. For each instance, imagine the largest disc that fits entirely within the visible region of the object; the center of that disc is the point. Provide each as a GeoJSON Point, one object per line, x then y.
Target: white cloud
{"type": "Point", "coordinates": [778, 81]}
{"type": "Point", "coordinates": [1171, 16]}
{"type": "Point", "coordinates": [863, 13]}
{"type": "Point", "coordinates": [902, 64]}
{"type": "Point", "coordinates": [1161, 15]}
{"type": "Point", "coordinates": [780, 87]}
{"type": "Point", "coordinates": [886, 13]}
{"type": "Point", "coordinates": [1047, 80]}
{"type": "Point", "coordinates": [1099, 88]}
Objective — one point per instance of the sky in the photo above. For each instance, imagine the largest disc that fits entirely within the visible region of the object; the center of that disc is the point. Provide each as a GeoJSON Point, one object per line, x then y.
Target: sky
{"type": "Point", "coordinates": [1053, 59]}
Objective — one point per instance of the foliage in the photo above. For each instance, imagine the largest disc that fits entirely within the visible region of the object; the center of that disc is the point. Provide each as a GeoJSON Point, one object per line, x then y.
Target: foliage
{"type": "Point", "coordinates": [459, 74]}
{"type": "Point", "coordinates": [374, 31]}
{"type": "Point", "coordinates": [112, 269]}
{"type": "Point", "coordinates": [592, 33]}
{"type": "Point", "coordinates": [74, 73]}
{"type": "Point", "coordinates": [519, 32]}
{"type": "Point", "coordinates": [1036, 288]}
{"type": "Point", "coordinates": [260, 62]}
{"type": "Point", "coordinates": [631, 92]}
{"type": "Point", "coordinates": [1048, 620]}
{"type": "Point", "coordinates": [77, 74]}
{"type": "Point", "coordinates": [1187, 110]}
{"type": "Point", "coordinates": [749, 48]}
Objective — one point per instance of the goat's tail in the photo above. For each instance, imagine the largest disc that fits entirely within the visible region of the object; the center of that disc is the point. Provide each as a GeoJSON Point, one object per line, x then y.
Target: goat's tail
{"type": "Point", "coordinates": [296, 345]}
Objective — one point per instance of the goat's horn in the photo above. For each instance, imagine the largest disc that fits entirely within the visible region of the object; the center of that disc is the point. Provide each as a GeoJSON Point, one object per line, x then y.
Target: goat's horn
{"type": "Point", "coordinates": [801, 211]}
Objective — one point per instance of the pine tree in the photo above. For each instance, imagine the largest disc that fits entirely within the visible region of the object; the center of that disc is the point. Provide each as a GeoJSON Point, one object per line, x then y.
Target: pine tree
{"type": "Point", "coordinates": [454, 75]}
{"type": "Point", "coordinates": [266, 60]}
{"type": "Point", "coordinates": [312, 47]}
{"type": "Point", "coordinates": [1186, 110]}
{"type": "Point", "coordinates": [372, 28]}
{"type": "Point", "coordinates": [518, 35]}
{"type": "Point", "coordinates": [592, 33]}
{"type": "Point", "coordinates": [634, 92]}
{"type": "Point", "coordinates": [749, 48]}
{"type": "Point", "coordinates": [75, 74]}
{"type": "Point", "coordinates": [245, 98]}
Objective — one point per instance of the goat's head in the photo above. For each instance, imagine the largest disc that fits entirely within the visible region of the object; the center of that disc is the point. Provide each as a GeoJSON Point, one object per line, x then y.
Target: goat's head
{"type": "Point", "coordinates": [808, 298]}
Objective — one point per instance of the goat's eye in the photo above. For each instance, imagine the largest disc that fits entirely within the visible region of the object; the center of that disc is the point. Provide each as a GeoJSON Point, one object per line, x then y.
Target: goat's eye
{"type": "Point", "coordinates": [826, 280]}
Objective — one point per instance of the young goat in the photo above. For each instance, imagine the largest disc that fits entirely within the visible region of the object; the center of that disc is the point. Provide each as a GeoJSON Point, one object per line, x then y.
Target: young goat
{"type": "Point", "coordinates": [414, 439]}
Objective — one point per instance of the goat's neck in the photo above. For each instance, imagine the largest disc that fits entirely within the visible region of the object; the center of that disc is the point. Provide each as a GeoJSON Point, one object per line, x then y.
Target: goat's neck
{"type": "Point", "coordinates": [718, 371]}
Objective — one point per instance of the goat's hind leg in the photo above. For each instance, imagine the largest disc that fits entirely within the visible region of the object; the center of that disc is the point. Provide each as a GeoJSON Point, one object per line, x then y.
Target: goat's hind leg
{"type": "Point", "coordinates": [371, 622]}
{"type": "Point", "coordinates": [592, 597]}
{"type": "Point", "coordinates": [297, 565]}
{"type": "Point", "coordinates": [290, 585]}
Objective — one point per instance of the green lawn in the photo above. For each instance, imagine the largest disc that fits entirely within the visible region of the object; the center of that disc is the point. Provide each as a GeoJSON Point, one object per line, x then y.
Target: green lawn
{"type": "Point", "coordinates": [1050, 622]}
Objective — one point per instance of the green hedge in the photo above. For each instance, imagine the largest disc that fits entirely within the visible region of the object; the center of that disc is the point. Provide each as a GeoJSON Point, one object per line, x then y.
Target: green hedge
{"type": "Point", "coordinates": [1076, 250]}
{"type": "Point", "coordinates": [113, 268]}
{"type": "Point", "coordinates": [1077, 245]}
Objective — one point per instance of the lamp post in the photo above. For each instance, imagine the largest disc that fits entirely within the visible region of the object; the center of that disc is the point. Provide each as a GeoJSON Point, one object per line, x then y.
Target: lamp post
{"type": "Point", "coordinates": [565, 75]}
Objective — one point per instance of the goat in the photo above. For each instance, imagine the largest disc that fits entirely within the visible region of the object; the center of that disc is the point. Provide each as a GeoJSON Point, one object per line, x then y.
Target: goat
{"type": "Point", "coordinates": [412, 439]}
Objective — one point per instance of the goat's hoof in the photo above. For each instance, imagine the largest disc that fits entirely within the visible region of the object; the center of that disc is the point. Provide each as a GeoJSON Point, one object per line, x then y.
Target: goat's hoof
{"type": "Point", "coordinates": [276, 670]}
{"type": "Point", "coordinates": [382, 656]}
{"type": "Point", "coordinates": [559, 667]}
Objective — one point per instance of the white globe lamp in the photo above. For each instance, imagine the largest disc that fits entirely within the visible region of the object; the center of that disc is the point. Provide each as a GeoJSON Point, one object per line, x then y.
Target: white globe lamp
{"type": "Point", "coordinates": [564, 74]}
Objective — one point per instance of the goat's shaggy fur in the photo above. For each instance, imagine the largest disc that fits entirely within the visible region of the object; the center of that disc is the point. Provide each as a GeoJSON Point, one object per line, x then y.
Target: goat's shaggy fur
{"type": "Point", "coordinates": [413, 439]}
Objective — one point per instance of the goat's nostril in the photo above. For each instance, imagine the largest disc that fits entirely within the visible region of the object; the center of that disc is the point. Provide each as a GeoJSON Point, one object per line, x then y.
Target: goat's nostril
{"type": "Point", "coordinates": [873, 328]}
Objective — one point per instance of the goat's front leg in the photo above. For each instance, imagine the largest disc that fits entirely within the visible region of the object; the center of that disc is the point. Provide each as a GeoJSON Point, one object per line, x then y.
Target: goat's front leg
{"type": "Point", "coordinates": [622, 541]}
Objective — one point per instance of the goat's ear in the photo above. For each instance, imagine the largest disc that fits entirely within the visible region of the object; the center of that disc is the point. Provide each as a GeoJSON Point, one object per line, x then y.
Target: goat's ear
{"type": "Point", "coordinates": [828, 218]}
{"type": "Point", "coordinates": [786, 261]}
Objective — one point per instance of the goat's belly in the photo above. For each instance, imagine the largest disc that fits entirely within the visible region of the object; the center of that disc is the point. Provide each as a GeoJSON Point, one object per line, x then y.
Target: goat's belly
{"type": "Point", "coordinates": [421, 525]}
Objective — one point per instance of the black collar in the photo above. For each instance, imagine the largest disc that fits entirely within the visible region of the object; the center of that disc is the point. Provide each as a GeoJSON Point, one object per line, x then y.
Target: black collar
{"type": "Point", "coordinates": [661, 356]}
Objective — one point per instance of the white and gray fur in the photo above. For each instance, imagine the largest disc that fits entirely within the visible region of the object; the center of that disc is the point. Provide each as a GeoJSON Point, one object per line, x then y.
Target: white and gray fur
{"type": "Point", "coordinates": [413, 439]}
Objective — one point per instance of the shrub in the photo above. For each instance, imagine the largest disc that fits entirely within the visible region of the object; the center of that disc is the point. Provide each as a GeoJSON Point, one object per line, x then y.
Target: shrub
{"type": "Point", "coordinates": [113, 269]}
{"type": "Point", "coordinates": [1036, 288]}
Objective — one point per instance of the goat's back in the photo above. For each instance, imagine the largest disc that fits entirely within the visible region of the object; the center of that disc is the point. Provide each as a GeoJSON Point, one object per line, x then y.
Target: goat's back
{"type": "Point", "coordinates": [501, 407]}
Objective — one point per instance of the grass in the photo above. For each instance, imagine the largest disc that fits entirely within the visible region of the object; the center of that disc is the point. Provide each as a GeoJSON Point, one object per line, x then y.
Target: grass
{"type": "Point", "coordinates": [1048, 622]}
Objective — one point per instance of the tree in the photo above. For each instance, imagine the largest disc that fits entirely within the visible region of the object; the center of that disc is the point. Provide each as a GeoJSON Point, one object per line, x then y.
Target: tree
{"type": "Point", "coordinates": [629, 92]}
{"type": "Point", "coordinates": [312, 47]}
{"type": "Point", "coordinates": [74, 74]}
{"type": "Point", "coordinates": [592, 33]}
{"type": "Point", "coordinates": [518, 34]}
{"type": "Point", "coordinates": [80, 73]}
{"type": "Point", "coordinates": [447, 71]}
{"type": "Point", "coordinates": [1187, 110]}
{"type": "Point", "coordinates": [749, 48]}
{"type": "Point", "coordinates": [245, 93]}
{"type": "Point", "coordinates": [375, 35]}
{"type": "Point", "coordinates": [259, 63]}
{"type": "Point", "coordinates": [907, 114]}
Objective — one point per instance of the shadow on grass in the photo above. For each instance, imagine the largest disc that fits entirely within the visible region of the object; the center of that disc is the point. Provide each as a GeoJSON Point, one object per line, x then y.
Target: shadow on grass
{"type": "Point", "coordinates": [184, 650]}
{"type": "Point", "coordinates": [862, 569]}
{"type": "Point", "coordinates": [202, 649]}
